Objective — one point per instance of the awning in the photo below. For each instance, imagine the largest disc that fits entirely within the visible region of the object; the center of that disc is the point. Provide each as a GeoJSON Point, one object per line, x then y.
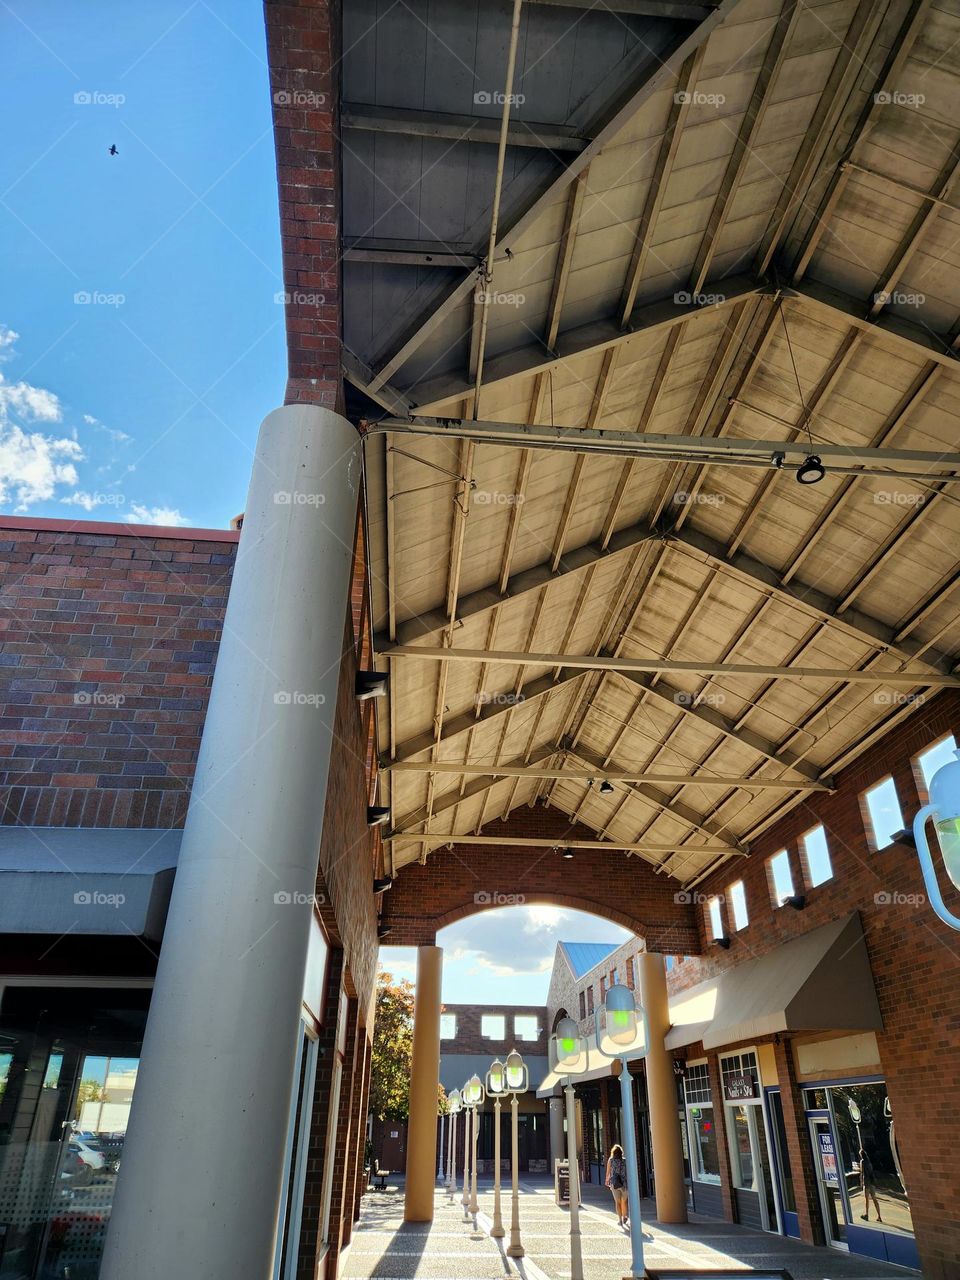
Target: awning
{"type": "Point", "coordinates": [86, 880]}
{"type": "Point", "coordinates": [821, 981]}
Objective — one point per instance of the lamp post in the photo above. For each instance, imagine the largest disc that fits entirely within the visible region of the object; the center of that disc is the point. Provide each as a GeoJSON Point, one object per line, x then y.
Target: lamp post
{"type": "Point", "coordinates": [517, 1080]}
{"type": "Point", "coordinates": [568, 1058]}
{"type": "Point", "coordinates": [624, 1029]}
{"type": "Point", "coordinates": [455, 1105]}
{"type": "Point", "coordinates": [440, 1150]}
{"type": "Point", "coordinates": [475, 1096]}
{"type": "Point", "coordinates": [496, 1088]}
{"type": "Point", "coordinates": [465, 1198]}
{"type": "Point", "coordinates": [944, 809]}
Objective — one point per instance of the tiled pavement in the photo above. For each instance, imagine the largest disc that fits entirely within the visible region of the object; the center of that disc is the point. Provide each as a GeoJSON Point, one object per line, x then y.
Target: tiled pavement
{"type": "Point", "coordinates": [385, 1248]}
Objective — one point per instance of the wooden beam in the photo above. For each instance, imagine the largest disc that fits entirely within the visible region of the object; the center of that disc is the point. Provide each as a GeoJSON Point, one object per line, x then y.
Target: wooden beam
{"type": "Point", "coordinates": [608, 774]}
{"type": "Point", "coordinates": [603, 662]}
{"type": "Point", "coordinates": [642, 80]}
{"type": "Point", "coordinates": [539, 842]}
{"type": "Point", "coordinates": [439, 124]}
{"type": "Point", "coordinates": [773, 58]}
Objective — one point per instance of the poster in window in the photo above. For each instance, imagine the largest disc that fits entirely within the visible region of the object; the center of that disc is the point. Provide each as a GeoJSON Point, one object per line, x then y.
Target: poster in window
{"type": "Point", "coordinates": [828, 1159]}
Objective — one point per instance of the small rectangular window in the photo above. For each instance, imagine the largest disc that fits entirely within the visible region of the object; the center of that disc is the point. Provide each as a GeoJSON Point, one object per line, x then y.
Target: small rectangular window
{"type": "Point", "coordinates": [448, 1026]}
{"type": "Point", "coordinates": [669, 962]}
{"type": "Point", "coordinates": [583, 1006]}
{"type": "Point", "coordinates": [884, 817]}
{"type": "Point", "coordinates": [737, 897]}
{"type": "Point", "coordinates": [493, 1026]}
{"type": "Point", "coordinates": [935, 757]}
{"type": "Point", "coordinates": [781, 877]}
{"type": "Point", "coordinates": [589, 1000]}
{"type": "Point", "coordinates": [526, 1026]}
{"type": "Point", "coordinates": [716, 918]}
{"type": "Point", "coordinates": [629, 967]}
{"type": "Point", "coordinates": [816, 857]}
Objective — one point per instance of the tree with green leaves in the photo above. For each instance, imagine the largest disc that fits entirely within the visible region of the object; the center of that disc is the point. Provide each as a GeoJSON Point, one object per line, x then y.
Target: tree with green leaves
{"type": "Point", "coordinates": [392, 1053]}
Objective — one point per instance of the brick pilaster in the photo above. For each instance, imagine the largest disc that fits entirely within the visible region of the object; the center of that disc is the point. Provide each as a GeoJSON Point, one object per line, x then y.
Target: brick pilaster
{"type": "Point", "coordinates": [798, 1146]}
{"type": "Point", "coordinates": [723, 1149]}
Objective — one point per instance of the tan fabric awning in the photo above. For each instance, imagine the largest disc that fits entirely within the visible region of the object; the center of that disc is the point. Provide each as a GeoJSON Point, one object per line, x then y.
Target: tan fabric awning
{"type": "Point", "coordinates": [821, 981]}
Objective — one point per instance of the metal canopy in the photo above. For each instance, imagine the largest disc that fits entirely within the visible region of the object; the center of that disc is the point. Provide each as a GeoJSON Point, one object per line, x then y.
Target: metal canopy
{"type": "Point", "coordinates": [726, 241]}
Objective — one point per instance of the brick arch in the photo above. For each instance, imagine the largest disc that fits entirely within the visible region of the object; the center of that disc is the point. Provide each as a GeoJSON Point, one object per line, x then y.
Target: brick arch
{"type": "Point", "coordinates": [453, 885]}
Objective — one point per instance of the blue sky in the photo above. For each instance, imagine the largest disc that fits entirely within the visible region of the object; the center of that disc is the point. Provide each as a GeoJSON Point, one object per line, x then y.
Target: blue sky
{"type": "Point", "coordinates": [145, 401]}
{"type": "Point", "coordinates": [504, 956]}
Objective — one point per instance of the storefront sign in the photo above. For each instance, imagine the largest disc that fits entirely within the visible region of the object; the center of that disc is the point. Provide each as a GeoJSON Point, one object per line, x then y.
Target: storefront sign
{"type": "Point", "coordinates": [736, 1088]}
{"type": "Point", "coordinates": [828, 1159]}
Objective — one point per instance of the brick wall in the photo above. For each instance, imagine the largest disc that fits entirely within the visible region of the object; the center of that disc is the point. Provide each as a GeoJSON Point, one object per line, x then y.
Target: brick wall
{"type": "Point", "coordinates": [450, 886]}
{"type": "Point", "coordinates": [303, 60]}
{"type": "Point", "coordinates": [108, 640]}
{"type": "Point", "coordinates": [470, 1037]}
{"type": "Point", "coordinates": [915, 959]}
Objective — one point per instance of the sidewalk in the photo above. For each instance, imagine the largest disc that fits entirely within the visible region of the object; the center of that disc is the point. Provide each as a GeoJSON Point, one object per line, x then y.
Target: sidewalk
{"type": "Point", "coordinates": [386, 1248]}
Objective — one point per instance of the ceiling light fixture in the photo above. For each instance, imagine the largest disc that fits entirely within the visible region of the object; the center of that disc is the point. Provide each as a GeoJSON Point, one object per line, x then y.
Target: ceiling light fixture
{"type": "Point", "coordinates": [811, 470]}
{"type": "Point", "coordinates": [567, 853]}
{"type": "Point", "coordinates": [606, 788]}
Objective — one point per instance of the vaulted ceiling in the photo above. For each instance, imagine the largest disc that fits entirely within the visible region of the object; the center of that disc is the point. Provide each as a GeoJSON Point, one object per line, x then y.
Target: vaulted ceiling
{"type": "Point", "coordinates": [724, 223]}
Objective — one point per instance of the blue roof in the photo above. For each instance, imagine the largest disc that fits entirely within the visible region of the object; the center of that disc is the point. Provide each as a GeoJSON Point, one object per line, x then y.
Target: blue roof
{"type": "Point", "coordinates": [583, 956]}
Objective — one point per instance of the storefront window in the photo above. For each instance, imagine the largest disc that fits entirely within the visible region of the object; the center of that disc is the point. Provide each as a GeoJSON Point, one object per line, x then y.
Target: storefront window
{"type": "Point", "coordinates": [67, 1077]}
{"type": "Point", "coordinates": [782, 1152]}
{"type": "Point", "coordinates": [869, 1157]}
{"type": "Point", "coordinates": [741, 1147]}
{"type": "Point", "coordinates": [705, 1160]}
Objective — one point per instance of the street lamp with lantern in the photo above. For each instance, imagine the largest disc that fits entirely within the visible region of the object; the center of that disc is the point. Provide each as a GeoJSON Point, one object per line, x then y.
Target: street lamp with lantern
{"type": "Point", "coordinates": [621, 1029]}
{"type": "Point", "coordinates": [568, 1058]}
{"type": "Point", "coordinates": [517, 1081]}
{"type": "Point", "coordinates": [496, 1088]}
{"type": "Point", "coordinates": [944, 809]}
{"type": "Point", "coordinates": [475, 1094]}
{"type": "Point", "coordinates": [455, 1106]}
{"type": "Point", "coordinates": [467, 1120]}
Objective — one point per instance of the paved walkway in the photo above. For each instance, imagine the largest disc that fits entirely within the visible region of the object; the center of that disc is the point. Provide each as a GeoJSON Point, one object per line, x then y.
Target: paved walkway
{"type": "Point", "coordinates": [386, 1248]}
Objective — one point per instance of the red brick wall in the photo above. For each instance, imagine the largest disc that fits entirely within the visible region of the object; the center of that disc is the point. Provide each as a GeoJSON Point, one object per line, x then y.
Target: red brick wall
{"type": "Point", "coordinates": [108, 640]}
{"type": "Point", "coordinates": [302, 54]}
{"type": "Point", "coordinates": [915, 960]}
{"type": "Point", "coordinates": [470, 1037]}
{"type": "Point", "coordinates": [474, 878]}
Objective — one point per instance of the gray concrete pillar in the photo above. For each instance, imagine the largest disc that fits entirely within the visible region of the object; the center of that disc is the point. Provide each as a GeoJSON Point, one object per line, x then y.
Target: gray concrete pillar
{"type": "Point", "coordinates": [198, 1192]}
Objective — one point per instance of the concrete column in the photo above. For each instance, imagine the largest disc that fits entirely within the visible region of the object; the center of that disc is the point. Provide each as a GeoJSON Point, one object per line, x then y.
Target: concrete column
{"type": "Point", "coordinates": [424, 1074]}
{"type": "Point", "coordinates": [671, 1191]}
{"type": "Point", "coordinates": [557, 1151]}
{"type": "Point", "coordinates": [202, 1162]}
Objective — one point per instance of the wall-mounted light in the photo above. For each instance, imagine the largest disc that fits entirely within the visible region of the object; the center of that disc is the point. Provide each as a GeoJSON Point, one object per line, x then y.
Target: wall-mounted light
{"type": "Point", "coordinates": [566, 854]}
{"type": "Point", "coordinates": [723, 941]}
{"type": "Point", "coordinates": [606, 788]}
{"type": "Point", "coordinates": [796, 900]}
{"type": "Point", "coordinates": [377, 814]}
{"type": "Point", "coordinates": [370, 684]}
{"type": "Point", "coordinates": [384, 930]}
{"type": "Point", "coordinates": [382, 883]}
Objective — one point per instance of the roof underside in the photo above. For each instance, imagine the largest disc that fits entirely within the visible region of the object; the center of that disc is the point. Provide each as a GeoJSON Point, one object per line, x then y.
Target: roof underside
{"type": "Point", "coordinates": [717, 222]}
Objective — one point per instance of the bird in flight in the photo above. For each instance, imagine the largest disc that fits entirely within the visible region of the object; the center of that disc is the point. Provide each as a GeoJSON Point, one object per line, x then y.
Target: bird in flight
{"type": "Point", "coordinates": [113, 149]}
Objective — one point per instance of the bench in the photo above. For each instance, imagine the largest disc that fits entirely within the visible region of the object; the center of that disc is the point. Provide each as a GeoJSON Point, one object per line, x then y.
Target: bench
{"type": "Point", "coordinates": [379, 1177]}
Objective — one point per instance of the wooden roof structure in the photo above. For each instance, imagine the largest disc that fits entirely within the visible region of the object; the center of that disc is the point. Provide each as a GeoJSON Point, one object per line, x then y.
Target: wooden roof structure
{"type": "Point", "coordinates": [735, 224]}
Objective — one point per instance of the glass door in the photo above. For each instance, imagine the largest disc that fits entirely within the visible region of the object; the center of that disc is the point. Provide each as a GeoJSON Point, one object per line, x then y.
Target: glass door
{"type": "Point", "coordinates": [828, 1180]}
{"type": "Point", "coordinates": [783, 1172]}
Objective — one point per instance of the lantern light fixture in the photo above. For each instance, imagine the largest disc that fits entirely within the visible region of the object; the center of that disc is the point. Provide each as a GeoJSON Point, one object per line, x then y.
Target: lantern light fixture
{"type": "Point", "coordinates": [944, 810]}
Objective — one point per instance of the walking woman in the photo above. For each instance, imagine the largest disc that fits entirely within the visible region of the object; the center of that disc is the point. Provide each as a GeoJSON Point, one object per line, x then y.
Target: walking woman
{"type": "Point", "coordinates": [616, 1180]}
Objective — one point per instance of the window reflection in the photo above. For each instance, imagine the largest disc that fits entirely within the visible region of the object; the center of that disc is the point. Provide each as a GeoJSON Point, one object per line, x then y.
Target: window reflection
{"type": "Point", "coordinates": [870, 1160]}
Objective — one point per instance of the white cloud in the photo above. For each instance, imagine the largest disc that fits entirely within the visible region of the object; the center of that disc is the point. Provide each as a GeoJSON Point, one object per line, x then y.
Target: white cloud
{"type": "Point", "coordinates": [29, 402]}
{"type": "Point", "coordinates": [169, 516]}
{"type": "Point", "coordinates": [7, 338]}
{"type": "Point", "coordinates": [32, 465]}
